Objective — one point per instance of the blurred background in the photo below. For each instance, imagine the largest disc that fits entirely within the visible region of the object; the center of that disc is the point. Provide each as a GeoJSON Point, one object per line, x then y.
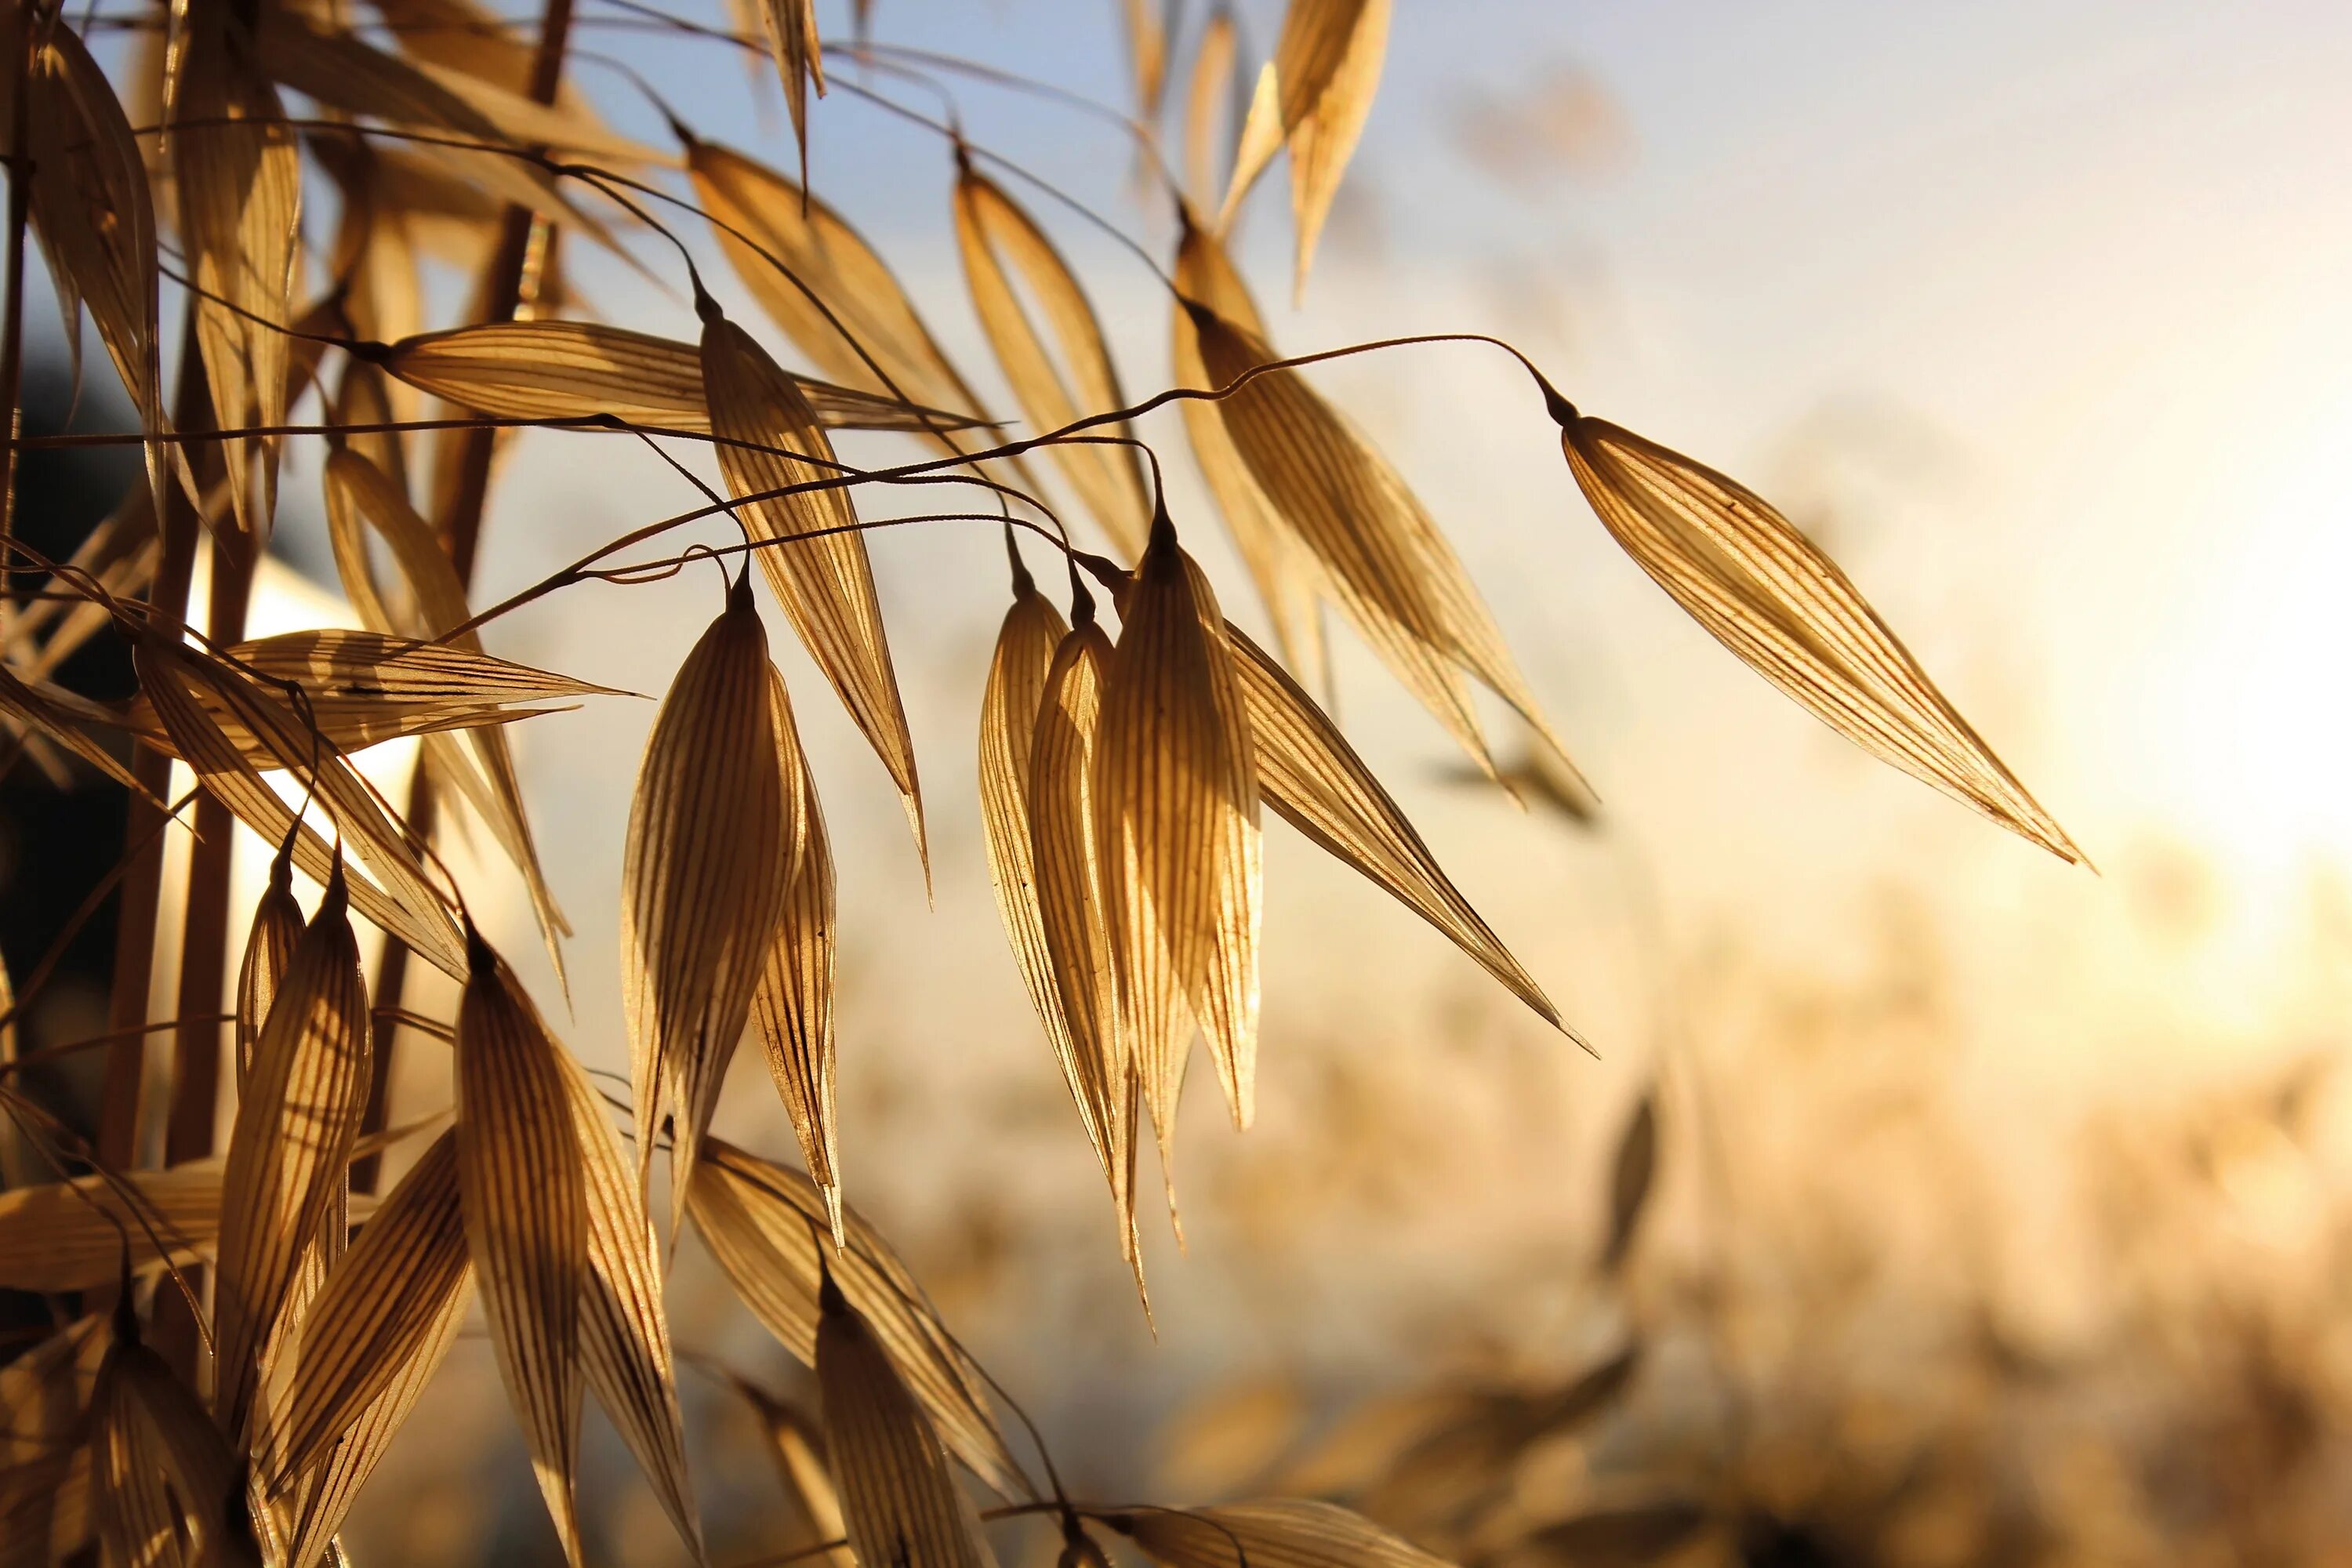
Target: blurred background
{"type": "Point", "coordinates": [1996, 1211]}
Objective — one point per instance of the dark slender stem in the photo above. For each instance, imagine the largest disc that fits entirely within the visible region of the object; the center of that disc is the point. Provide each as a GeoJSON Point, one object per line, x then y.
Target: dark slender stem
{"type": "Point", "coordinates": [203, 952]}
{"type": "Point", "coordinates": [142, 888]}
{"type": "Point", "coordinates": [12, 345]}
{"type": "Point", "coordinates": [68, 1047]}
{"type": "Point", "coordinates": [204, 945]}
{"type": "Point", "coordinates": [512, 278]}
{"type": "Point", "coordinates": [580, 570]}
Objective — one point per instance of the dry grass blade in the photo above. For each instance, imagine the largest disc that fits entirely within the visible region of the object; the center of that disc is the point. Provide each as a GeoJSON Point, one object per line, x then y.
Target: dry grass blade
{"type": "Point", "coordinates": [95, 217]}
{"type": "Point", "coordinates": [990, 231]}
{"type": "Point", "coordinates": [69, 1236]}
{"type": "Point", "coordinates": [899, 1500]}
{"type": "Point", "coordinates": [1284, 1533]}
{"type": "Point", "coordinates": [1382, 554]}
{"type": "Point", "coordinates": [269, 944]}
{"type": "Point", "coordinates": [172, 676]}
{"type": "Point", "coordinates": [792, 1008]}
{"type": "Point", "coordinates": [623, 1329]}
{"type": "Point", "coordinates": [381, 1313]}
{"type": "Point", "coordinates": [520, 1187]}
{"type": "Point", "coordinates": [1179, 827]}
{"type": "Point", "coordinates": [711, 846]}
{"type": "Point", "coordinates": [826, 584]}
{"type": "Point", "coordinates": [1009, 711]}
{"type": "Point", "coordinates": [1309, 774]}
{"type": "Point", "coordinates": [1314, 96]}
{"type": "Point", "coordinates": [360, 497]}
{"type": "Point", "coordinates": [765, 1226]}
{"type": "Point", "coordinates": [240, 192]}
{"type": "Point", "coordinates": [1760, 586]}
{"type": "Point", "coordinates": [791, 27]}
{"type": "Point", "coordinates": [297, 1117]}
{"type": "Point", "coordinates": [1066, 836]}
{"type": "Point", "coordinates": [578, 370]}
{"type": "Point", "coordinates": [1289, 580]}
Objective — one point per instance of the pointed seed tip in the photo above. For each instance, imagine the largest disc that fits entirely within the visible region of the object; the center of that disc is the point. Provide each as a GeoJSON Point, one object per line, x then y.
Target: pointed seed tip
{"type": "Point", "coordinates": [481, 960]}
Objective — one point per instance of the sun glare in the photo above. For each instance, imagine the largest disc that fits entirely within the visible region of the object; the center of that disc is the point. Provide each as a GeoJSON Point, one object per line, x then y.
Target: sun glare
{"type": "Point", "coordinates": [2266, 670]}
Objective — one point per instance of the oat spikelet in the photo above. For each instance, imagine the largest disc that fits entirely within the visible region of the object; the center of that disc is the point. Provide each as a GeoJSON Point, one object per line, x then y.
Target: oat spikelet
{"type": "Point", "coordinates": [93, 211]}
{"type": "Point", "coordinates": [298, 1118]}
{"type": "Point", "coordinates": [1066, 836]}
{"type": "Point", "coordinates": [269, 945]}
{"type": "Point", "coordinates": [366, 687]}
{"type": "Point", "coordinates": [765, 1227]}
{"type": "Point", "coordinates": [624, 1328]}
{"type": "Point", "coordinates": [1313, 778]}
{"type": "Point", "coordinates": [57, 1236]}
{"type": "Point", "coordinates": [899, 1501]}
{"type": "Point", "coordinates": [521, 1188]}
{"type": "Point", "coordinates": [1180, 835]}
{"type": "Point", "coordinates": [182, 683]}
{"type": "Point", "coordinates": [782, 220]}
{"type": "Point", "coordinates": [1008, 707]}
{"type": "Point", "coordinates": [1289, 581]}
{"type": "Point", "coordinates": [826, 584]}
{"type": "Point", "coordinates": [1313, 97]}
{"type": "Point", "coordinates": [240, 190]}
{"type": "Point", "coordinates": [1147, 54]}
{"type": "Point", "coordinates": [792, 1008]}
{"type": "Point", "coordinates": [710, 855]}
{"type": "Point", "coordinates": [386, 1309]}
{"type": "Point", "coordinates": [991, 230]}
{"type": "Point", "coordinates": [792, 38]}
{"type": "Point", "coordinates": [1217, 85]}
{"type": "Point", "coordinates": [577, 369]}
{"type": "Point", "coordinates": [168, 1488]}
{"type": "Point", "coordinates": [361, 498]}
{"type": "Point", "coordinates": [1380, 552]}
{"type": "Point", "coordinates": [363, 1446]}
{"type": "Point", "coordinates": [344, 71]}
{"type": "Point", "coordinates": [1747, 576]}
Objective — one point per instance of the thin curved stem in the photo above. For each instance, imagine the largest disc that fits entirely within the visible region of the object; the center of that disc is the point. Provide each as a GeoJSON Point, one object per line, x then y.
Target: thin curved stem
{"type": "Point", "coordinates": [1011, 450]}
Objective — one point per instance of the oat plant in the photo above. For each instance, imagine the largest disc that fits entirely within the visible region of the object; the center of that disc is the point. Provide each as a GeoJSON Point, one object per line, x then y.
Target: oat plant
{"type": "Point", "coordinates": [242, 1316]}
